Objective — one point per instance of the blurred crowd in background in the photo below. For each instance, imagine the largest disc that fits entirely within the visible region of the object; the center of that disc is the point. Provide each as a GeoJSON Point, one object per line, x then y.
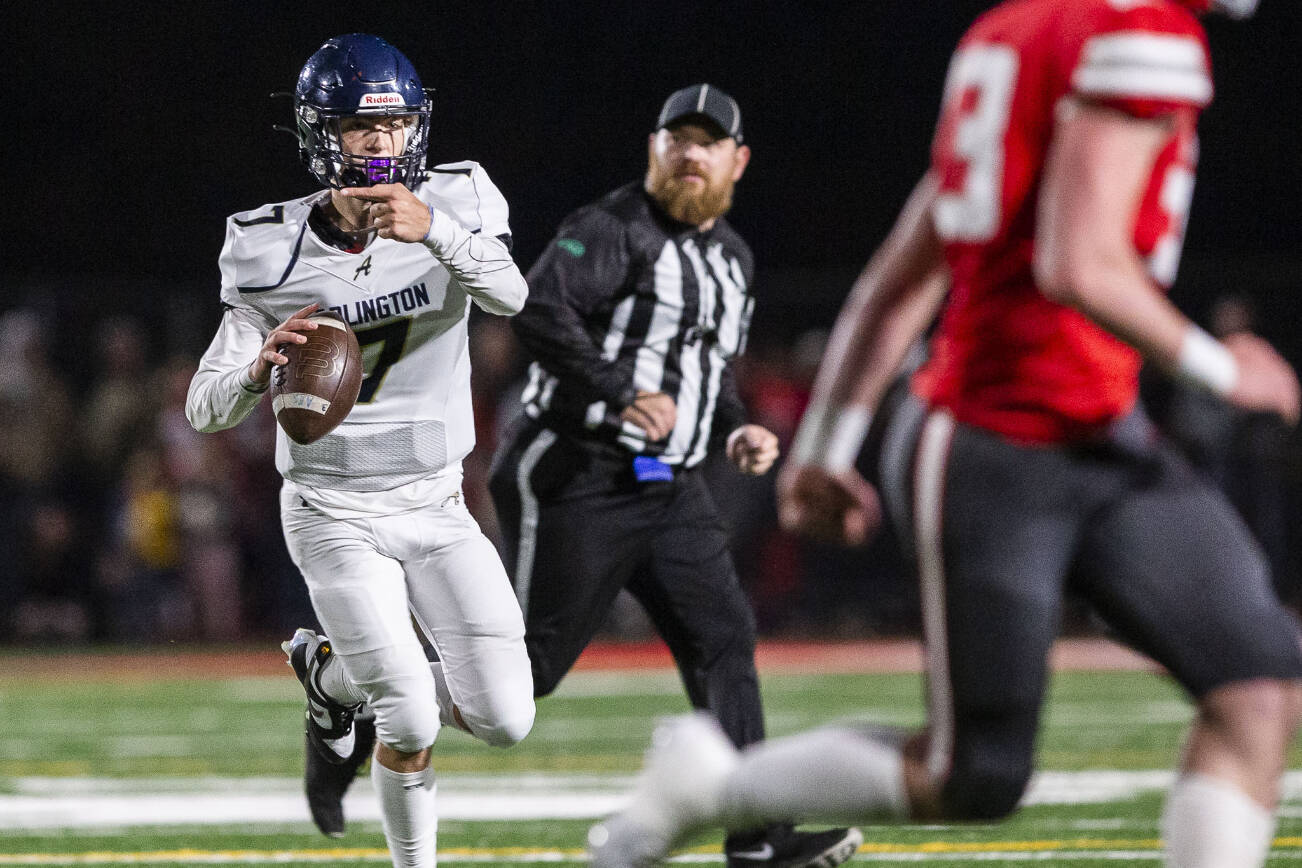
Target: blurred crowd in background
{"type": "Point", "coordinates": [121, 524]}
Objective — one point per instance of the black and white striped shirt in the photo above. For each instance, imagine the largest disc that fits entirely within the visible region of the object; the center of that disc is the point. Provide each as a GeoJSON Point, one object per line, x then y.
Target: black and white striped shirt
{"type": "Point", "coordinates": [625, 299]}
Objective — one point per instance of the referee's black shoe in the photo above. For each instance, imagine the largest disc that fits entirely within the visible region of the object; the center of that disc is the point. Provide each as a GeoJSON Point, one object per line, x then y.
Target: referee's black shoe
{"type": "Point", "coordinates": [784, 847]}
{"type": "Point", "coordinates": [326, 782]}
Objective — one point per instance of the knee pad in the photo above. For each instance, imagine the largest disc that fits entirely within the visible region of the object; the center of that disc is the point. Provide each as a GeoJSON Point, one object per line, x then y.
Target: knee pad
{"type": "Point", "coordinates": [991, 763]}
{"type": "Point", "coordinates": [503, 727]}
{"type": "Point", "coordinates": [406, 721]}
{"type": "Point", "coordinates": [986, 787]}
{"type": "Point", "coordinates": [401, 692]}
{"type": "Point", "coordinates": [507, 733]}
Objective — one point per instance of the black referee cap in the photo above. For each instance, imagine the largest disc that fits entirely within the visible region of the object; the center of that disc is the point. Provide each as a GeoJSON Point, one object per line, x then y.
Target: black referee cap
{"type": "Point", "coordinates": [703, 101]}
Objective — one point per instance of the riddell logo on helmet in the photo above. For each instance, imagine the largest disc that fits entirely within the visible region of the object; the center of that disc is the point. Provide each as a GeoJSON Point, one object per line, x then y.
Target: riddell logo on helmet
{"type": "Point", "coordinates": [370, 100]}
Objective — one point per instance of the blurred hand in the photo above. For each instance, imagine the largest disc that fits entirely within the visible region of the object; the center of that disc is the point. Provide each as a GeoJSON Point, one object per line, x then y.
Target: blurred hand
{"type": "Point", "coordinates": [831, 507]}
{"type": "Point", "coordinates": [653, 412]}
{"type": "Point", "coordinates": [395, 212]}
{"type": "Point", "coordinates": [288, 332]}
{"type": "Point", "coordinates": [752, 449]}
{"type": "Point", "coordinates": [1266, 382]}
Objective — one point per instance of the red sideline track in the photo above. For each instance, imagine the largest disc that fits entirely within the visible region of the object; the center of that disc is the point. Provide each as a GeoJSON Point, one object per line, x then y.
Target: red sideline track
{"type": "Point", "coordinates": [878, 655]}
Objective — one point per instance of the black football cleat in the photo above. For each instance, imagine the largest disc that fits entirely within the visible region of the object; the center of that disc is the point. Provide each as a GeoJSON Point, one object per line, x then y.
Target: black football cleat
{"type": "Point", "coordinates": [326, 783]}
{"type": "Point", "coordinates": [329, 723]}
{"type": "Point", "coordinates": [785, 847]}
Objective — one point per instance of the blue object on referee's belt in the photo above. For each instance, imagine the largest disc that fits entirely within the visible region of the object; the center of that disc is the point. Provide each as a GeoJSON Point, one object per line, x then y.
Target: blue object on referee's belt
{"type": "Point", "coordinates": [648, 469]}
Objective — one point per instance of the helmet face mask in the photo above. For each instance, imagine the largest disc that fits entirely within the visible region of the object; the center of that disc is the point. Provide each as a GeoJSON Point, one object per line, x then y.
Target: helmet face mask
{"type": "Point", "coordinates": [360, 76]}
{"type": "Point", "coordinates": [1231, 8]}
{"type": "Point", "coordinates": [1235, 8]}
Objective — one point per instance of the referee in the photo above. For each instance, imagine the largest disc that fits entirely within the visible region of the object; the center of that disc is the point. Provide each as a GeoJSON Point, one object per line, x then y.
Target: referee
{"type": "Point", "coordinates": [635, 312]}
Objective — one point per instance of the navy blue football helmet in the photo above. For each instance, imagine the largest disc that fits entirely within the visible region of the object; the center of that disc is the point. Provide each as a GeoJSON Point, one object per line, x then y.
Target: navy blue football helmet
{"type": "Point", "coordinates": [359, 75]}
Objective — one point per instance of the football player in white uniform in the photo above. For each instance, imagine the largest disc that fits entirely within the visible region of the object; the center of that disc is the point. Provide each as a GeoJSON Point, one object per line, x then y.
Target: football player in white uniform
{"type": "Point", "coordinates": [372, 512]}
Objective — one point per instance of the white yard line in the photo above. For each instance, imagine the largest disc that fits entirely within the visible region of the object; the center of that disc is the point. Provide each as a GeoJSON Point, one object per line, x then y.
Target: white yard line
{"type": "Point", "coordinates": [34, 804]}
{"type": "Point", "coordinates": [907, 855]}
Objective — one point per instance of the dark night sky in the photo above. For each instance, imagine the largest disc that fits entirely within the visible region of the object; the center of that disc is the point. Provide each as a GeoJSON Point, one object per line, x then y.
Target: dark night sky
{"type": "Point", "coordinates": [149, 123]}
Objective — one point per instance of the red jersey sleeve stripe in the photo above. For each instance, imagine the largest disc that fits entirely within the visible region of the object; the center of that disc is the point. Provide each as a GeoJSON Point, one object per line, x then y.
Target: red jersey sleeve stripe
{"type": "Point", "coordinates": [1139, 65]}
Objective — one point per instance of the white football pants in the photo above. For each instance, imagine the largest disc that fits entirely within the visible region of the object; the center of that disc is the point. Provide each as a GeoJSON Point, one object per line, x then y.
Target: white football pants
{"type": "Point", "coordinates": [370, 578]}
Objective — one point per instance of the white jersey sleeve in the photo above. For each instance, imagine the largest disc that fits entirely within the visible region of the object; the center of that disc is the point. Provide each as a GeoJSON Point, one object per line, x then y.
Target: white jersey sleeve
{"type": "Point", "coordinates": [221, 392]}
{"type": "Point", "coordinates": [467, 235]}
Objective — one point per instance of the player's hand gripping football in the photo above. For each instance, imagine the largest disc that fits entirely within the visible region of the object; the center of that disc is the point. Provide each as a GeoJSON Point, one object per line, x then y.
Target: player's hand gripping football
{"type": "Point", "coordinates": [394, 212]}
{"type": "Point", "coordinates": [653, 412]}
{"type": "Point", "coordinates": [752, 449]}
{"type": "Point", "coordinates": [830, 507]}
{"type": "Point", "coordinates": [285, 333]}
{"type": "Point", "coordinates": [1266, 381]}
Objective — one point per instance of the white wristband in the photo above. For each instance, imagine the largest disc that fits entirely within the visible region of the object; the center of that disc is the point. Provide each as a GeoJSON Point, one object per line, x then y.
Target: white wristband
{"type": "Point", "coordinates": [1206, 361]}
{"type": "Point", "coordinates": [442, 232]}
{"type": "Point", "coordinates": [831, 437]}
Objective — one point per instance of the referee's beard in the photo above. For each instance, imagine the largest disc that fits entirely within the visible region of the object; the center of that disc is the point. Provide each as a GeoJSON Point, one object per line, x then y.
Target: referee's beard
{"type": "Point", "coordinates": [684, 201]}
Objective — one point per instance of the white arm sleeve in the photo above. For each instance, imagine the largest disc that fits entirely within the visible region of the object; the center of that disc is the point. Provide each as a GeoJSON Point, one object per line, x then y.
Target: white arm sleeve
{"type": "Point", "coordinates": [480, 263]}
{"type": "Point", "coordinates": [221, 392]}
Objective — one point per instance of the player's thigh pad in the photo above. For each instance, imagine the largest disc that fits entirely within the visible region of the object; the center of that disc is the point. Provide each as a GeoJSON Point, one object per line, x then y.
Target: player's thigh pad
{"type": "Point", "coordinates": [1174, 570]}
{"type": "Point", "coordinates": [360, 597]}
{"type": "Point", "coordinates": [463, 602]}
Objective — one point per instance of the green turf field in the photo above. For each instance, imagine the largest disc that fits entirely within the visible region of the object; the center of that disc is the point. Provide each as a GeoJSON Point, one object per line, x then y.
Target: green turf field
{"type": "Point", "coordinates": [188, 772]}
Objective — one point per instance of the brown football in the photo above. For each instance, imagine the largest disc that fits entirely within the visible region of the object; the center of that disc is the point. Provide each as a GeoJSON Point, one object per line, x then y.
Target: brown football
{"type": "Point", "coordinates": [317, 389]}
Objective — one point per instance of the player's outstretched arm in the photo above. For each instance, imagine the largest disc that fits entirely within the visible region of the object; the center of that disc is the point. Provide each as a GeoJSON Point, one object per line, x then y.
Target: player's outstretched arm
{"type": "Point", "coordinates": [892, 303]}
{"type": "Point", "coordinates": [1098, 167]}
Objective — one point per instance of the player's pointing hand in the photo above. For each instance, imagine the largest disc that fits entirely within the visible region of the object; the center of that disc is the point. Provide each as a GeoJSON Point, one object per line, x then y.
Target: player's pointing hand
{"type": "Point", "coordinates": [395, 212]}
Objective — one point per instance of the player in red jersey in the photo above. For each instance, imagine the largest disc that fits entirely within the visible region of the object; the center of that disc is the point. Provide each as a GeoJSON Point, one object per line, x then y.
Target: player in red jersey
{"type": "Point", "coordinates": [1020, 464]}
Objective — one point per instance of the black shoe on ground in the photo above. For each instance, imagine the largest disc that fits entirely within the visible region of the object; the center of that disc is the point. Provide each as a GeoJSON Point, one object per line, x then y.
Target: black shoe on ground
{"type": "Point", "coordinates": [326, 783]}
{"type": "Point", "coordinates": [791, 848]}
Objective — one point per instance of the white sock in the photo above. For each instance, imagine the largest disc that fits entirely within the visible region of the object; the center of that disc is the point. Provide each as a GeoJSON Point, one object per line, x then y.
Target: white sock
{"type": "Point", "coordinates": [334, 682]}
{"type": "Point", "coordinates": [1210, 823]}
{"type": "Point", "coordinates": [410, 821]}
{"type": "Point", "coordinates": [829, 775]}
{"type": "Point", "coordinates": [443, 696]}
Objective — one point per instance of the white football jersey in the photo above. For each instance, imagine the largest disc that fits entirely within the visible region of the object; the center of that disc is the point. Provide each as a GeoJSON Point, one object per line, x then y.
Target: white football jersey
{"type": "Point", "coordinates": [408, 308]}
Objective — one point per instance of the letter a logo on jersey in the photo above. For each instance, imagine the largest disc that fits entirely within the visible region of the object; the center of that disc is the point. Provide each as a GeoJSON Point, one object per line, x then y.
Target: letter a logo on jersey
{"type": "Point", "coordinates": [364, 268]}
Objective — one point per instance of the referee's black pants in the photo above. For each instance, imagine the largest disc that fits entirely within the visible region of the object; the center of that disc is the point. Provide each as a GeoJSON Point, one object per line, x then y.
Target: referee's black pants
{"type": "Point", "coordinates": [577, 528]}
